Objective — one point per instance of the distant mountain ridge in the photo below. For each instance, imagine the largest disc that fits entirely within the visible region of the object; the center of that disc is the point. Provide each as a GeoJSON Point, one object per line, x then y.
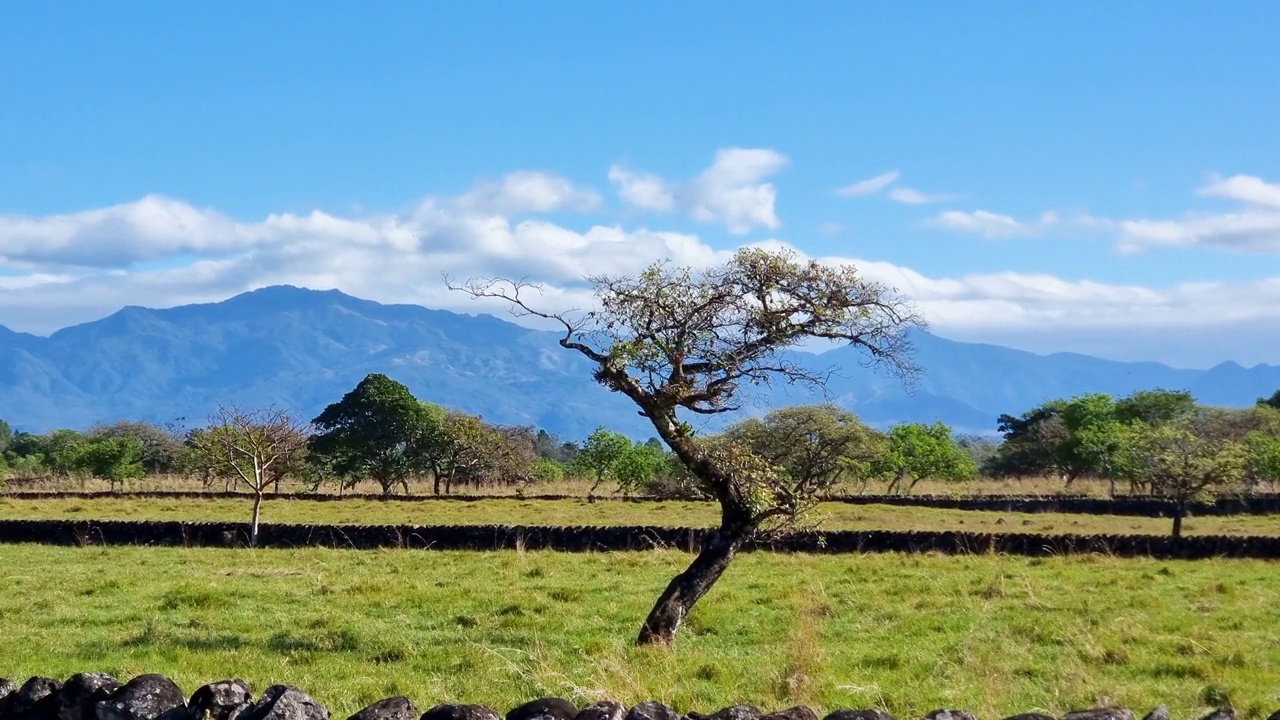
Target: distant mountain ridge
{"type": "Point", "coordinates": [302, 349]}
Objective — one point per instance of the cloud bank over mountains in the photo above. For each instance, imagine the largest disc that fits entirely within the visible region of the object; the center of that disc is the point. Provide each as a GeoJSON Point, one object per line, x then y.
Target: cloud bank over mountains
{"type": "Point", "coordinates": [160, 251]}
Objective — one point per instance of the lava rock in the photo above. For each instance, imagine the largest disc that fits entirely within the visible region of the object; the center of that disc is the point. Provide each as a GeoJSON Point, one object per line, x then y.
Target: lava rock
{"type": "Point", "coordinates": [1274, 716]}
{"type": "Point", "coordinates": [1160, 712]}
{"type": "Point", "coordinates": [284, 702]}
{"type": "Point", "coordinates": [460, 712]}
{"type": "Point", "coordinates": [798, 712]}
{"type": "Point", "coordinates": [1034, 716]}
{"type": "Point", "coordinates": [82, 692]}
{"type": "Point", "coordinates": [866, 714]}
{"type": "Point", "coordinates": [544, 709]}
{"type": "Point", "coordinates": [603, 710]}
{"type": "Point", "coordinates": [1223, 713]}
{"type": "Point", "coordinates": [942, 714]}
{"type": "Point", "coordinates": [7, 688]}
{"type": "Point", "coordinates": [652, 710]}
{"type": "Point", "coordinates": [1100, 714]}
{"type": "Point", "coordinates": [222, 700]}
{"type": "Point", "coordinates": [146, 697]}
{"type": "Point", "coordinates": [395, 708]}
{"type": "Point", "coordinates": [37, 699]}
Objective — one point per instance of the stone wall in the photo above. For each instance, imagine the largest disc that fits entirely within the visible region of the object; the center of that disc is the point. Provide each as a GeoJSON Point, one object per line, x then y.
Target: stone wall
{"type": "Point", "coordinates": [98, 696]}
{"type": "Point", "coordinates": [588, 539]}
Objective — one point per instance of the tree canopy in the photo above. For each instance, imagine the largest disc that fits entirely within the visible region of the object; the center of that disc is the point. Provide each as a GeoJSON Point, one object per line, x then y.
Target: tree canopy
{"type": "Point", "coordinates": [378, 430]}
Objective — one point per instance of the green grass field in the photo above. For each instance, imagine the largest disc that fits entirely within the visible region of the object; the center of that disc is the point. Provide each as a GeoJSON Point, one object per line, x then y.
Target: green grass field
{"type": "Point", "coordinates": [996, 635]}
{"type": "Point", "coordinates": [833, 516]}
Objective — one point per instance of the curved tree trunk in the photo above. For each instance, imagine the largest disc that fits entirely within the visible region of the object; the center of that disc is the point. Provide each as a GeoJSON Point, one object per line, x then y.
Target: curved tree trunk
{"type": "Point", "coordinates": [687, 587]}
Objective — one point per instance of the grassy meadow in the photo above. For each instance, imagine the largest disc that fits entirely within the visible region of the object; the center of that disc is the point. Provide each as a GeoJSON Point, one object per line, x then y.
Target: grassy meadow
{"type": "Point", "coordinates": [909, 633]}
{"type": "Point", "coordinates": [832, 516]}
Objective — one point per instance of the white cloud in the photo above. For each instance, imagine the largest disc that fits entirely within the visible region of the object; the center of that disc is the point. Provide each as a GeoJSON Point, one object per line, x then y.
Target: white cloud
{"type": "Point", "coordinates": [522, 192]}
{"type": "Point", "coordinates": [643, 190]}
{"type": "Point", "coordinates": [1252, 228]}
{"type": "Point", "coordinates": [992, 225]}
{"type": "Point", "coordinates": [915, 197]}
{"type": "Point", "coordinates": [870, 185]}
{"type": "Point", "coordinates": [400, 258]}
{"type": "Point", "coordinates": [1244, 188]}
{"type": "Point", "coordinates": [730, 192]}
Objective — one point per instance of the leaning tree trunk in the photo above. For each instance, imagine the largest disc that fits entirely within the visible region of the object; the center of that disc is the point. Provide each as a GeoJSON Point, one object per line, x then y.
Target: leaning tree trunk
{"type": "Point", "coordinates": [686, 588]}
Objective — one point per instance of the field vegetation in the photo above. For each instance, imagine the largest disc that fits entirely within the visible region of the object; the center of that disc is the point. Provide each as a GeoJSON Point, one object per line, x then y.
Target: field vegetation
{"type": "Point", "coordinates": [675, 513]}
{"type": "Point", "coordinates": [996, 635]}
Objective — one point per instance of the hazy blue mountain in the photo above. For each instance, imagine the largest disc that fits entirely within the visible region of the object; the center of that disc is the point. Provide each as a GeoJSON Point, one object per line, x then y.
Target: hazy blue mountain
{"type": "Point", "coordinates": [302, 349]}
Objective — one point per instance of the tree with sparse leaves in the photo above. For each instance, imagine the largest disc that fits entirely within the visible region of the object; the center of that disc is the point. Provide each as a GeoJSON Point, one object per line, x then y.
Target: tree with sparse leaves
{"type": "Point", "coordinates": [816, 446]}
{"type": "Point", "coordinates": [254, 447]}
{"type": "Point", "coordinates": [678, 340]}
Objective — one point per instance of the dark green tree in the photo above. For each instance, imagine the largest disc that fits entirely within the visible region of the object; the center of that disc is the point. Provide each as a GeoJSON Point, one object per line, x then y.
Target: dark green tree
{"type": "Point", "coordinates": [378, 430]}
{"type": "Point", "coordinates": [1273, 401]}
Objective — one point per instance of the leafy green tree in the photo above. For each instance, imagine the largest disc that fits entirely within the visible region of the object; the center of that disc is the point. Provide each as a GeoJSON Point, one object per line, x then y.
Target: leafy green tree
{"type": "Point", "coordinates": [1156, 407]}
{"type": "Point", "coordinates": [636, 467]}
{"type": "Point", "coordinates": [116, 459]}
{"type": "Point", "coordinates": [468, 451]}
{"type": "Point", "coordinates": [161, 447]}
{"type": "Point", "coordinates": [816, 446]}
{"type": "Point", "coordinates": [1264, 458]}
{"type": "Point", "coordinates": [378, 430]}
{"type": "Point", "coordinates": [916, 451]}
{"type": "Point", "coordinates": [598, 455]}
{"type": "Point", "coordinates": [62, 449]}
{"type": "Point", "coordinates": [1183, 464]}
{"type": "Point", "coordinates": [678, 340]}
{"type": "Point", "coordinates": [6, 437]}
{"type": "Point", "coordinates": [1030, 445]}
{"type": "Point", "coordinates": [546, 470]}
{"type": "Point", "coordinates": [254, 447]}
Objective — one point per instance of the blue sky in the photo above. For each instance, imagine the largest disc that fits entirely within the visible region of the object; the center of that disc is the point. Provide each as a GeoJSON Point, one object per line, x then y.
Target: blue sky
{"type": "Point", "coordinates": [1095, 177]}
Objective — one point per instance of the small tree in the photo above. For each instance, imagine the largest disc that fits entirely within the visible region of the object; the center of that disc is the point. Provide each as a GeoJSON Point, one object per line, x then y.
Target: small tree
{"type": "Point", "coordinates": [677, 340]}
{"type": "Point", "coordinates": [114, 459]}
{"type": "Point", "coordinates": [379, 430]}
{"type": "Point", "coordinates": [161, 447]}
{"type": "Point", "coordinates": [467, 451]}
{"type": "Point", "coordinates": [919, 451]}
{"type": "Point", "coordinates": [1183, 464]}
{"type": "Point", "coordinates": [254, 447]}
{"type": "Point", "coordinates": [598, 455]}
{"type": "Point", "coordinates": [815, 446]}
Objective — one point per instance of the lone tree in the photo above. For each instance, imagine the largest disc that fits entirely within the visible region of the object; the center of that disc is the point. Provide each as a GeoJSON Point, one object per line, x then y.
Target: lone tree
{"type": "Point", "coordinates": [1184, 463]}
{"type": "Point", "coordinates": [675, 339]}
{"type": "Point", "coordinates": [255, 447]}
{"type": "Point", "coordinates": [602, 450]}
{"type": "Point", "coordinates": [379, 430]}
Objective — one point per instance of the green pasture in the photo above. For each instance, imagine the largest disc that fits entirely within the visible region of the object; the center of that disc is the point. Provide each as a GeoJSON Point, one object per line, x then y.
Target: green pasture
{"type": "Point", "coordinates": [833, 516]}
{"type": "Point", "coordinates": [996, 635]}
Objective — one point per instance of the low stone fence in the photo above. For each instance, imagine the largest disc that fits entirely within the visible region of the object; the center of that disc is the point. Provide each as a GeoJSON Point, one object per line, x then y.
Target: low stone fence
{"type": "Point", "coordinates": [1258, 504]}
{"type": "Point", "coordinates": [604, 539]}
{"type": "Point", "coordinates": [98, 696]}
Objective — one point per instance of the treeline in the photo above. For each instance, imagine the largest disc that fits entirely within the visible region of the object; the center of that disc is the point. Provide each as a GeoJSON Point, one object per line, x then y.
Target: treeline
{"type": "Point", "coordinates": [1155, 442]}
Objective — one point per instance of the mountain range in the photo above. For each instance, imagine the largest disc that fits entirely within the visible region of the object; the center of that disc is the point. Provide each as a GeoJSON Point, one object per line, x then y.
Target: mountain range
{"type": "Point", "coordinates": [303, 349]}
